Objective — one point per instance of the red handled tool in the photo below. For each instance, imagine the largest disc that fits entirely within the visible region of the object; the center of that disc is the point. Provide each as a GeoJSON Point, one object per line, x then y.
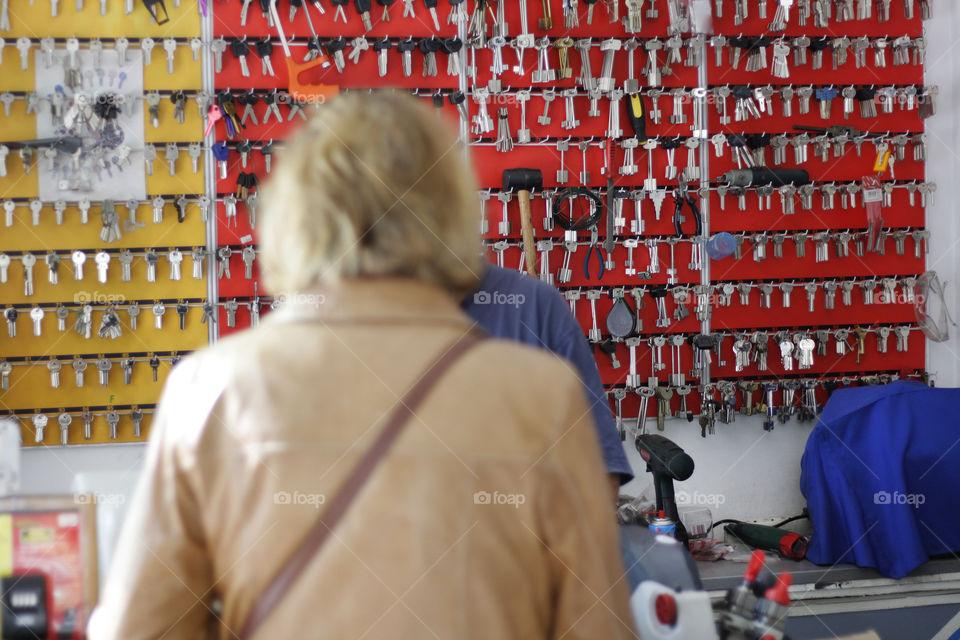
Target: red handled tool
{"type": "Point", "coordinates": [300, 90]}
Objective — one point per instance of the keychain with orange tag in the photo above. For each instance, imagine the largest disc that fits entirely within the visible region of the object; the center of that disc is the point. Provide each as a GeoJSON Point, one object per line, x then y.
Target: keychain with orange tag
{"type": "Point", "coordinates": [300, 89]}
{"type": "Point", "coordinates": [883, 160]}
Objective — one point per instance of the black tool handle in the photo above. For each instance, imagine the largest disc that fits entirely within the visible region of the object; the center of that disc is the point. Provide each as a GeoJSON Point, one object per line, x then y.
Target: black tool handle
{"type": "Point", "coordinates": [759, 176]}
{"type": "Point", "coordinates": [664, 456]}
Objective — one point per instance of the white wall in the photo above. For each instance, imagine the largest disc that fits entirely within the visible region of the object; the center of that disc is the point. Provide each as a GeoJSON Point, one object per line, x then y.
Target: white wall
{"type": "Point", "coordinates": [741, 472]}
{"type": "Point", "coordinates": [943, 167]}
{"type": "Point", "coordinates": [756, 472]}
{"type": "Point", "coordinates": [53, 469]}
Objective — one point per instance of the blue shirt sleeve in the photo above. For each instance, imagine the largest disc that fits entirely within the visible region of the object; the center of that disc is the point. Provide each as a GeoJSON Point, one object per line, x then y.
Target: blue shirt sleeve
{"type": "Point", "coordinates": [515, 306]}
{"type": "Point", "coordinates": [576, 349]}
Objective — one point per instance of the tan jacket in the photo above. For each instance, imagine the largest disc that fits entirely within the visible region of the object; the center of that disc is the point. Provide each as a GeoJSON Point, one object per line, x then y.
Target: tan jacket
{"type": "Point", "coordinates": [491, 517]}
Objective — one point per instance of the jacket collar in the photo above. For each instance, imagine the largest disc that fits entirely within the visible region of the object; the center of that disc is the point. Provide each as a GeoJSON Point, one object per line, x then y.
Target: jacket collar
{"type": "Point", "coordinates": [380, 300]}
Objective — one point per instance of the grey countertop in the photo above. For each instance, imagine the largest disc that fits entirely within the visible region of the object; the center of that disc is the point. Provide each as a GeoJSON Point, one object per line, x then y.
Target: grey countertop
{"type": "Point", "coordinates": [723, 574]}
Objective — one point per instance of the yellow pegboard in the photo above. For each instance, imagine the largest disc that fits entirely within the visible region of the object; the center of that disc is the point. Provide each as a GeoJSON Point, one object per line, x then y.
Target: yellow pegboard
{"type": "Point", "coordinates": [14, 77]}
{"type": "Point", "coordinates": [183, 181]}
{"type": "Point", "coordinates": [30, 387]}
{"type": "Point", "coordinates": [172, 131]}
{"type": "Point", "coordinates": [35, 20]}
{"type": "Point", "coordinates": [99, 430]}
{"type": "Point", "coordinates": [186, 72]}
{"type": "Point", "coordinates": [19, 184]}
{"type": "Point", "coordinates": [89, 289]}
{"type": "Point", "coordinates": [145, 338]}
{"type": "Point", "coordinates": [19, 125]}
{"type": "Point", "coordinates": [73, 234]}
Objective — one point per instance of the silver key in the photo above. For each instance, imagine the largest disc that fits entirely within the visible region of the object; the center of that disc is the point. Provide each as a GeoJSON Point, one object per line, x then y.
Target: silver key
{"type": "Point", "coordinates": [23, 46]}
{"type": "Point", "coordinates": [112, 418]}
{"type": "Point", "coordinates": [36, 315]}
{"type": "Point", "coordinates": [147, 45]}
{"type": "Point", "coordinates": [133, 311]}
{"type": "Point", "coordinates": [78, 258]}
{"type": "Point", "coordinates": [248, 255]}
{"type": "Point", "coordinates": [28, 260]}
{"type": "Point", "coordinates": [54, 366]}
{"type": "Point", "coordinates": [103, 369]}
{"type": "Point", "coordinates": [175, 257]}
{"type": "Point", "coordinates": [170, 48]}
{"type": "Point", "coordinates": [172, 153]}
{"type": "Point", "coordinates": [121, 45]}
{"type": "Point", "coordinates": [64, 420]}
{"type": "Point", "coordinates": [158, 310]}
{"type": "Point", "coordinates": [39, 421]}
{"type": "Point", "coordinates": [151, 257]}
{"type": "Point", "coordinates": [79, 367]}
{"type": "Point", "coordinates": [102, 260]}
{"type": "Point", "coordinates": [136, 416]}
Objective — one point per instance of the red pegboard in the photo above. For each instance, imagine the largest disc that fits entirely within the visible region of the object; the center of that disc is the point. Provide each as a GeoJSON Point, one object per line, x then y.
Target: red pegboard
{"type": "Point", "coordinates": [490, 163]}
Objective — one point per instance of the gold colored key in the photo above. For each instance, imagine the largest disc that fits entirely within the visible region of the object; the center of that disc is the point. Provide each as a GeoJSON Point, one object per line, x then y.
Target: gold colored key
{"type": "Point", "coordinates": [546, 22]}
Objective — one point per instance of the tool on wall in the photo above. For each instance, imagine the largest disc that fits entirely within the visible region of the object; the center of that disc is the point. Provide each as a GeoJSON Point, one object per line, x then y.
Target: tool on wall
{"type": "Point", "coordinates": [152, 6]}
{"type": "Point", "coordinates": [684, 196]}
{"type": "Point", "coordinates": [761, 176]}
{"type": "Point", "coordinates": [637, 114]}
{"type": "Point", "coordinates": [301, 90]}
{"type": "Point", "coordinates": [610, 241]}
{"type": "Point", "coordinates": [523, 181]}
{"type": "Point", "coordinates": [568, 210]}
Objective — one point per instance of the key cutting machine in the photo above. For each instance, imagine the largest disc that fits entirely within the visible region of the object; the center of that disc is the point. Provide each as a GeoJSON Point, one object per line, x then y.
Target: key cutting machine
{"type": "Point", "coordinates": [668, 601]}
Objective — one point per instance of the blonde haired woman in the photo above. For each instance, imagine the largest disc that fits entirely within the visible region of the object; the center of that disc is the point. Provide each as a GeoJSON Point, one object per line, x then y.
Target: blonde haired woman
{"type": "Point", "coordinates": [475, 507]}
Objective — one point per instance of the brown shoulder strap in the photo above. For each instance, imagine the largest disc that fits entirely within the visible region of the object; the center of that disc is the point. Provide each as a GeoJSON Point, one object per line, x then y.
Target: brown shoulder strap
{"type": "Point", "coordinates": [338, 506]}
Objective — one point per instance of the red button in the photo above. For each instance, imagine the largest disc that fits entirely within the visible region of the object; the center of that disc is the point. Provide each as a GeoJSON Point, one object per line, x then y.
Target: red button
{"type": "Point", "coordinates": [666, 607]}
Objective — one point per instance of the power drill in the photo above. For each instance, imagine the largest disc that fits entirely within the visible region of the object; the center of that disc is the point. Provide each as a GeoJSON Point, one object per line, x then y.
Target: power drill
{"type": "Point", "coordinates": [667, 462]}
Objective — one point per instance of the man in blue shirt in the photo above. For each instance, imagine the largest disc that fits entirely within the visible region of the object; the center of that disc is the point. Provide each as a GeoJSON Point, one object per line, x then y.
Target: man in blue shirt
{"type": "Point", "coordinates": [512, 305]}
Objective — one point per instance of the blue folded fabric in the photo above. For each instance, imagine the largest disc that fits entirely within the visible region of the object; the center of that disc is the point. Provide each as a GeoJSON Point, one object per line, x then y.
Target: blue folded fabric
{"type": "Point", "coordinates": [881, 475]}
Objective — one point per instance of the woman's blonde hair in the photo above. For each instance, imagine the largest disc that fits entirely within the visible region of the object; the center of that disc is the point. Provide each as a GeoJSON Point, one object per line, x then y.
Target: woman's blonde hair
{"type": "Point", "coordinates": [376, 184]}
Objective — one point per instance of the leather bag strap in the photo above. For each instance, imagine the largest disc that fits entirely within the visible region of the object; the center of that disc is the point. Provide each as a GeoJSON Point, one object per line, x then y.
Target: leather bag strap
{"type": "Point", "coordinates": [319, 533]}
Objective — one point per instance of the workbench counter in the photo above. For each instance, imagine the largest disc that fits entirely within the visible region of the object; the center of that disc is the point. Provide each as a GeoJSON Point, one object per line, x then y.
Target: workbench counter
{"type": "Point", "coordinates": [845, 599]}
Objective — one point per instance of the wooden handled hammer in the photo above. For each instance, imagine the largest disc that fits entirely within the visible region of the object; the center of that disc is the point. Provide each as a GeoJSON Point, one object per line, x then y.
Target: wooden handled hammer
{"type": "Point", "coordinates": [523, 181]}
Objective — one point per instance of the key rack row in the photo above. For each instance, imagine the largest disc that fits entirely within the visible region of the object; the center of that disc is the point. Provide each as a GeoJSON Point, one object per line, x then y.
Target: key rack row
{"type": "Point", "coordinates": [721, 403]}
{"type": "Point", "coordinates": [44, 423]}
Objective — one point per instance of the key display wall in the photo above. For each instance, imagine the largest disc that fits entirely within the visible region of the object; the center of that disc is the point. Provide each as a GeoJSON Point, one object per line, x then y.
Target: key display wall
{"type": "Point", "coordinates": [84, 357]}
{"type": "Point", "coordinates": [406, 51]}
{"type": "Point", "coordinates": [621, 106]}
{"type": "Point", "coordinates": [813, 274]}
